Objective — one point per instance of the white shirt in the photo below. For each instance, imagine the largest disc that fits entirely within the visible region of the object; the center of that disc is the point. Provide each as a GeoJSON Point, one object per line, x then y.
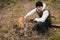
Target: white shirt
{"type": "Point", "coordinates": [44, 16]}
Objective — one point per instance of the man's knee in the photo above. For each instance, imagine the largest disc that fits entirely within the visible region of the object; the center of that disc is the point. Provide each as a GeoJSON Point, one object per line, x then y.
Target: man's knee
{"type": "Point", "coordinates": [39, 23]}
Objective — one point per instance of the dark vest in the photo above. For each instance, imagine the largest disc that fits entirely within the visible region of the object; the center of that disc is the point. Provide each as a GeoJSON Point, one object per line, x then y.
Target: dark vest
{"type": "Point", "coordinates": [48, 18]}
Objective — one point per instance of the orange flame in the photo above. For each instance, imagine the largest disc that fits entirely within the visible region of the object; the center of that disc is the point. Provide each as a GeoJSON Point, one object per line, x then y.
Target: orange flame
{"type": "Point", "coordinates": [21, 24]}
{"type": "Point", "coordinates": [21, 21]}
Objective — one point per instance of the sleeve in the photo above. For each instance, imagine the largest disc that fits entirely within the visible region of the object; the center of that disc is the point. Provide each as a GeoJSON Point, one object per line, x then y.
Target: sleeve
{"type": "Point", "coordinates": [30, 13]}
{"type": "Point", "coordinates": [44, 17]}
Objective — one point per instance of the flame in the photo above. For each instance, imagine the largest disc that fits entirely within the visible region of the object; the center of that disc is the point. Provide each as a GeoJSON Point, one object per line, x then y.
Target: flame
{"type": "Point", "coordinates": [21, 21]}
{"type": "Point", "coordinates": [21, 24]}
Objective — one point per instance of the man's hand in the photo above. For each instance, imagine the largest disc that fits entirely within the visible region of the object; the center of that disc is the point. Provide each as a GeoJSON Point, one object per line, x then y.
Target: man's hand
{"type": "Point", "coordinates": [24, 20]}
{"type": "Point", "coordinates": [32, 20]}
{"type": "Point", "coordinates": [37, 19]}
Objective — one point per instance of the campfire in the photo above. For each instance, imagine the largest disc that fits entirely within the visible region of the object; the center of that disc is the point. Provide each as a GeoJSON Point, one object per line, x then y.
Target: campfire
{"type": "Point", "coordinates": [22, 25]}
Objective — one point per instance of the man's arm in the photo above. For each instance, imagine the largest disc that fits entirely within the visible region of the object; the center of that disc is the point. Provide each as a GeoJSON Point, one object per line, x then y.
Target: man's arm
{"type": "Point", "coordinates": [30, 13]}
{"type": "Point", "coordinates": [44, 17]}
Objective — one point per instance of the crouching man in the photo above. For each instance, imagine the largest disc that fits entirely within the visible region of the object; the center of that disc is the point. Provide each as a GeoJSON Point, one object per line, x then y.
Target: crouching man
{"type": "Point", "coordinates": [44, 21]}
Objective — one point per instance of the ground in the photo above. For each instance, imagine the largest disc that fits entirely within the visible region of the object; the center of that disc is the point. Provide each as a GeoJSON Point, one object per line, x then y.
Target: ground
{"type": "Point", "coordinates": [10, 15]}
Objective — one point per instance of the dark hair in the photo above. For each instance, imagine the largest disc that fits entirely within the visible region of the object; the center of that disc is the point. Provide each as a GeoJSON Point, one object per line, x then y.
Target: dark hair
{"type": "Point", "coordinates": [39, 3]}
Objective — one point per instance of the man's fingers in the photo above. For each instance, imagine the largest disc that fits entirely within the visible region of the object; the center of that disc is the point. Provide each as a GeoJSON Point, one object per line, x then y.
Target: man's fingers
{"type": "Point", "coordinates": [35, 20]}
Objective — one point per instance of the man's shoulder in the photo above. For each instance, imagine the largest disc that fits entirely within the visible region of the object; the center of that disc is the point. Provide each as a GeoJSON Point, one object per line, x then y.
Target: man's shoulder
{"type": "Point", "coordinates": [46, 10]}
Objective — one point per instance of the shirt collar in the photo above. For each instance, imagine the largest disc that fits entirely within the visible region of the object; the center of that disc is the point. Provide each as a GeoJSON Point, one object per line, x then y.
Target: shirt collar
{"type": "Point", "coordinates": [44, 5]}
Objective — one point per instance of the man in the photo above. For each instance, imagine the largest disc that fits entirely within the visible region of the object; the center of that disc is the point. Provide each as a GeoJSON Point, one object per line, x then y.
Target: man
{"type": "Point", "coordinates": [44, 21]}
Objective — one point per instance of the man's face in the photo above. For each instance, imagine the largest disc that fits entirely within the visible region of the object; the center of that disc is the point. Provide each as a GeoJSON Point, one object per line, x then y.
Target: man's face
{"type": "Point", "coordinates": [39, 8]}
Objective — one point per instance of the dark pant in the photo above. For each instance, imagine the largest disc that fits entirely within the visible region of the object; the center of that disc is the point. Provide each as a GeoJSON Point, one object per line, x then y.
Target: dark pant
{"type": "Point", "coordinates": [42, 27]}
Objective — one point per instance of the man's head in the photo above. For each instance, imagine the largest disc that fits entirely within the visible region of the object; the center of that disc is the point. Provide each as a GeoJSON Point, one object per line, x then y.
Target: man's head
{"type": "Point", "coordinates": [39, 6]}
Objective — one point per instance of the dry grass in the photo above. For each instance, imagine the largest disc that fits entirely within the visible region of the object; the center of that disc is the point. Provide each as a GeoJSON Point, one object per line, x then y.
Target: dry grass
{"type": "Point", "coordinates": [9, 18]}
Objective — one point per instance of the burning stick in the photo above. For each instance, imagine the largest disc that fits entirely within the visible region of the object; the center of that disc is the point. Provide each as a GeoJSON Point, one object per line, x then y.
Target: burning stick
{"type": "Point", "coordinates": [23, 25]}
